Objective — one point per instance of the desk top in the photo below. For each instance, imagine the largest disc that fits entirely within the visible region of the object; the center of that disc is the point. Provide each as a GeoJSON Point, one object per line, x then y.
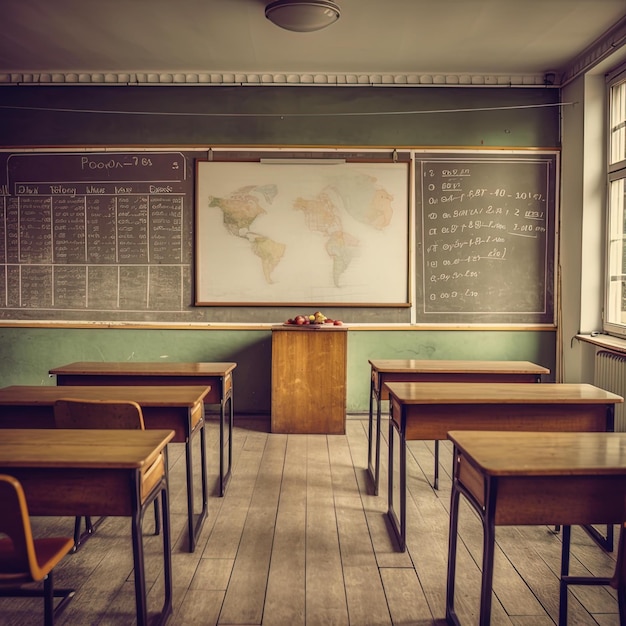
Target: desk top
{"type": "Point", "coordinates": [158, 368]}
{"type": "Point", "coordinates": [158, 396]}
{"type": "Point", "coordinates": [543, 454]}
{"type": "Point", "coordinates": [397, 366]}
{"type": "Point", "coordinates": [501, 393]}
{"type": "Point", "coordinates": [67, 448]}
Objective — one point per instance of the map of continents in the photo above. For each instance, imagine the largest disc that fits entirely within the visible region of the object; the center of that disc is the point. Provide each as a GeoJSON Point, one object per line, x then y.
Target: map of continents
{"type": "Point", "coordinates": [360, 197]}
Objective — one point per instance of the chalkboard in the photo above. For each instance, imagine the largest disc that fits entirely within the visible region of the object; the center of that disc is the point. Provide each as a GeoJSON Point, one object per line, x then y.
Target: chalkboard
{"type": "Point", "coordinates": [486, 238]}
{"type": "Point", "coordinates": [95, 234]}
{"type": "Point", "coordinates": [108, 235]}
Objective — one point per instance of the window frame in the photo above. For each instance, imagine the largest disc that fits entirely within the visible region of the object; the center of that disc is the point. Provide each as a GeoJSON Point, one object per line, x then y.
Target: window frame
{"type": "Point", "coordinates": [615, 299]}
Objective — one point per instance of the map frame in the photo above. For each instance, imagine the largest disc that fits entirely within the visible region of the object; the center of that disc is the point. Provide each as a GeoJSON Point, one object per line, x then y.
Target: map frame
{"type": "Point", "coordinates": [379, 272]}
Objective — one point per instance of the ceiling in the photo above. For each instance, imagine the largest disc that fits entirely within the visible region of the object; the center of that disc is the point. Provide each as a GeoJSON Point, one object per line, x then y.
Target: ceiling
{"type": "Point", "coordinates": [233, 40]}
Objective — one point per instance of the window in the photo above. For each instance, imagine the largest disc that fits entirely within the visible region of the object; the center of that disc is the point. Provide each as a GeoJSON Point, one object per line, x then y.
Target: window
{"type": "Point", "coordinates": [615, 298]}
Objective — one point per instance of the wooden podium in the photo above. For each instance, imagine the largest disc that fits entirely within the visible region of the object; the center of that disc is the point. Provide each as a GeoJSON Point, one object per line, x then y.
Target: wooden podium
{"type": "Point", "coordinates": [309, 379]}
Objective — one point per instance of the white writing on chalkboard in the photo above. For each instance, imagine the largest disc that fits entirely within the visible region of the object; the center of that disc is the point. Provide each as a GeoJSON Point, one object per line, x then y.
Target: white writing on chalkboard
{"type": "Point", "coordinates": [486, 233]}
{"type": "Point", "coordinates": [94, 232]}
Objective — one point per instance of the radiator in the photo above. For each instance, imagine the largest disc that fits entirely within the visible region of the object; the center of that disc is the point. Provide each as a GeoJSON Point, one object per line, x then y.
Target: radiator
{"type": "Point", "coordinates": [610, 374]}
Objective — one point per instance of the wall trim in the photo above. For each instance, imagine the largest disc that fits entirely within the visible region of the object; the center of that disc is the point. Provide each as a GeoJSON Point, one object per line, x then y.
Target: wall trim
{"type": "Point", "coordinates": [247, 79]}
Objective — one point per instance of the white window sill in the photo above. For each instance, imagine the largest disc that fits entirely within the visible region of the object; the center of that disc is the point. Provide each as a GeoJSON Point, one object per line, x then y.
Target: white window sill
{"type": "Point", "coordinates": [605, 341]}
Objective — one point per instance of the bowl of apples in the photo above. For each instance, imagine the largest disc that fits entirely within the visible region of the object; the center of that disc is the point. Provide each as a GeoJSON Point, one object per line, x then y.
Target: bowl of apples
{"type": "Point", "coordinates": [313, 320]}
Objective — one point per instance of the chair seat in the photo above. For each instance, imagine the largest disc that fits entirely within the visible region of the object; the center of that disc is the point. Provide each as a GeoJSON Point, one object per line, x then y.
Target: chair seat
{"type": "Point", "coordinates": [50, 550]}
{"type": "Point", "coordinates": [11, 569]}
{"type": "Point", "coordinates": [24, 559]}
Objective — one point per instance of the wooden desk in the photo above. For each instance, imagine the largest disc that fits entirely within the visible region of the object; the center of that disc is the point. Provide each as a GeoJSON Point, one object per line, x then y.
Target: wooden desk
{"type": "Point", "coordinates": [431, 410]}
{"type": "Point", "coordinates": [180, 409]}
{"type": "Point", "coordinates": [410, 370]}
{"type": "Point", "coordinates": [96, 472]}
{"type": "Point", "coordinates": [217, 376]}
{"type": "Point", "coordinates": [517, 478]}
{"type": "Point", "coordinates": [309, 379]}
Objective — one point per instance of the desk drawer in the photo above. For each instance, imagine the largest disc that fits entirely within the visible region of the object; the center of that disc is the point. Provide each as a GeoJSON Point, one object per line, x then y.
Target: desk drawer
{"type": "Point", "coordinates": [221, 388]}
{"type": "Point", "coordinates": [471, 479]}
{"type": "Point", "coordinates": [197, 412]}
{"type": "Point", "coordinates": [152, 477]}
{"type": "Point", "coordinates": [545, 499]}
{"type": "Point", "coordinates": [68, 492]}
{"type": "Point", "coordinates": [174, 418]}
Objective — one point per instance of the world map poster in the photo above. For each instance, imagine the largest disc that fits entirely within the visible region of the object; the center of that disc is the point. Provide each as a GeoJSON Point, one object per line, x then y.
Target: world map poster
{"type": "Point", "coordinates": [302, 233]}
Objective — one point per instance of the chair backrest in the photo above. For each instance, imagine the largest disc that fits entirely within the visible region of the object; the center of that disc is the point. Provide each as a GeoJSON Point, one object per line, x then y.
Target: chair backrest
{"type": "Point", "coordinates": [76, 413]}
{"type": "Point", "coordinates": [15, 523]}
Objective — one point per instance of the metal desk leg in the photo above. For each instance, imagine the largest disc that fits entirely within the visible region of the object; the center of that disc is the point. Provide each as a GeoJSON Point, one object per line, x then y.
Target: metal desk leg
{"type": "Point", "coordinates": [166, 610]}
{"type": "Point", "coordinates": [455, 494]}
{"type": "Point", "coordinates": [436, 478]}
{"type": "Point", "coordinates": [138, 557]}
{"type": "Point", "coordinates": [397, 523]}
{"type": "Point", "coordinates": [80, 537]}
{"type": "Point", "coordinates": [565, 552]}
{"type": "Point", "coordinates": [605, 542]}
{"type": "Point", "coordinates": [377, 443]}
{"type": "Point", "coordinates": [370, 436]}
{"type": "Point", "coordinates": [566, 579]}
{"type": "Point", "coordinates": [487, 516]}
{"type": "Point", "coordinates": [489, 540]}
{"type": "Point", "coordinates": [138, 553]}
{"type": "Point", "coordinates": [226, 431]}
{"type": "Point", "coordinates": [373, 450]}
{"type": "Point", "coordinates": [194, 529]}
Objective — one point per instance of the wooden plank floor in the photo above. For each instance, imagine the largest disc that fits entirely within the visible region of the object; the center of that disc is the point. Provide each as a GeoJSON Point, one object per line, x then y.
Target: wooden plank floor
{"type": "Point", "coordinates": [298, 540]}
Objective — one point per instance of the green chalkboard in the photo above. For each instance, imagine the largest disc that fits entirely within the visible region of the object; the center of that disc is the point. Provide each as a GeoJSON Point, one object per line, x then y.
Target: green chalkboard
{"type": "Point", "coordinates": [486, 227]}
{"type": "Point", "coordinates": [96, 234]}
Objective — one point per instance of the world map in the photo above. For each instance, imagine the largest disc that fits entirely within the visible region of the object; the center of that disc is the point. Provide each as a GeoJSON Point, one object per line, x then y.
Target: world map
{"type": "Point", "coordinates": [314, 232]}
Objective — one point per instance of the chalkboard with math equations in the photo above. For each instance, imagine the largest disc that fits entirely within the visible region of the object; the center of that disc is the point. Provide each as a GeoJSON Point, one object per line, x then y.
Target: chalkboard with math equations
{"type": "Point", "coordinates": [486, 227]}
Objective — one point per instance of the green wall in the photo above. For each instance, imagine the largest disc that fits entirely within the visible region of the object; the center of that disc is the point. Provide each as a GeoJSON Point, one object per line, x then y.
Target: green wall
{"type": "Point", "coordinates": [29, 353]}
{"type": "Point", "coordinates": [279, 115]}
{"type": "Point", "coordinates": [537, 347]}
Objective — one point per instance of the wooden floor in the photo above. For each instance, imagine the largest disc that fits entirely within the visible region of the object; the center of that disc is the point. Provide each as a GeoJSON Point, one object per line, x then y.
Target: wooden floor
{"type": "Point", "coordinates": [299, 540]}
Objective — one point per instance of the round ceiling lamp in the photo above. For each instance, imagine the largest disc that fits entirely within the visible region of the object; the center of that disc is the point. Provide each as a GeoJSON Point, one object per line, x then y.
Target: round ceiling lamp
{"type": "Point", "coordinates": [301, 16]}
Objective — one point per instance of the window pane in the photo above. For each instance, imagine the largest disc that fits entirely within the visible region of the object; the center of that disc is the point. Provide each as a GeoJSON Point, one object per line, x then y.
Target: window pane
{"type": "Point", "coordinates": [618, 122]}
{"type": "Point", "coordinates": [616, 297]}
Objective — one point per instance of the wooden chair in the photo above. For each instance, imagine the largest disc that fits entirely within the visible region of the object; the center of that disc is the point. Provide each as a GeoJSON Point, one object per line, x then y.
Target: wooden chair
{"type": "Point", "coordinates": [24, 559]}
{"type": "Point", "coordinates": [617, 581]}
{"type": "Point", "coordinates": [106, 414]}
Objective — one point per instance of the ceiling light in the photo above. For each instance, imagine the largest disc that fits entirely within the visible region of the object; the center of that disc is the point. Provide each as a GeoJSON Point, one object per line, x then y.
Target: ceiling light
{"type": "Point", "coordinates": [301, 16]}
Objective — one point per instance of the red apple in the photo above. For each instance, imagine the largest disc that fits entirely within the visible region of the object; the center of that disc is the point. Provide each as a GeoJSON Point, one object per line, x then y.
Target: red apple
{"type": "Point", "coordinates": [338, 323]}
{"type": "Point", "coordinates": [299, 320]}
{"type": "Point", "coordinates": [328, 321]}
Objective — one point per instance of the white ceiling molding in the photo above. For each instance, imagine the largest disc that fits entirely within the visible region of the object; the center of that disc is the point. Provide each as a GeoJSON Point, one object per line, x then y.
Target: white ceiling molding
{"type": "Point", "coordinates": [598, 51]}
{"type": "Point", "coordinates": [243, 79]}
